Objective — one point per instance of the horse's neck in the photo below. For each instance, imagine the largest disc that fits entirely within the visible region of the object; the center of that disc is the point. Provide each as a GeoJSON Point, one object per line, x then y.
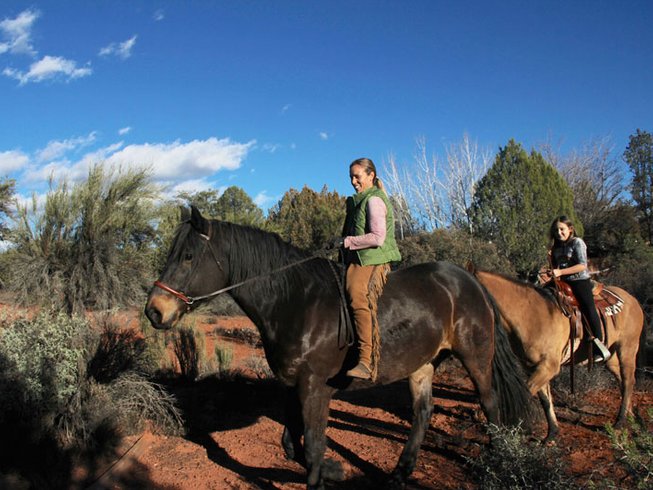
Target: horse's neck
{"type": "Point", "coordinates": [506, 292]}
{"type": "Point", "coordinates": [258, 309]}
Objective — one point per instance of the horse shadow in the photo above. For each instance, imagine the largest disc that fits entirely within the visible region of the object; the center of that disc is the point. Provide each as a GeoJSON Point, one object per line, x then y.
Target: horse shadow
{"type": "Point", "coordinates": [223, 403]}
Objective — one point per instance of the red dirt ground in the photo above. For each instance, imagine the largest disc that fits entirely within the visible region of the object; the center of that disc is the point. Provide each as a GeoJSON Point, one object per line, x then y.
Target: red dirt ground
{"type": "Point", "coordinates": [236, 442]}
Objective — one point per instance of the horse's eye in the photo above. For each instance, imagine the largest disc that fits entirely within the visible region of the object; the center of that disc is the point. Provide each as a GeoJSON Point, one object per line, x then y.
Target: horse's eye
{"type": "Point", "coordinates": [188, 256]}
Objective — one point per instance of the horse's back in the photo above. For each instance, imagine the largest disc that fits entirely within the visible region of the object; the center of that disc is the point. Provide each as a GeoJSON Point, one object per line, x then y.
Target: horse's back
{"type": "Point", "coordinates": [428, 308]}
{"type": "Point", "coordinates": [440, 274]}
{"type": "Point", "coordinates": [433, 285]}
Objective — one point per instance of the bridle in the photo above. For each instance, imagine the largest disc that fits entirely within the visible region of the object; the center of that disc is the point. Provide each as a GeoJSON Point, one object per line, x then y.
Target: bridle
{"type": "Point", "coordinates": [190, 300]}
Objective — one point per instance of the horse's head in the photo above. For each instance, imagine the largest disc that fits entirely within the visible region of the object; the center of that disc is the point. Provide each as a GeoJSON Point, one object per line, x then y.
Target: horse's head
{"type": "Point", "coordinates": [194, 269]}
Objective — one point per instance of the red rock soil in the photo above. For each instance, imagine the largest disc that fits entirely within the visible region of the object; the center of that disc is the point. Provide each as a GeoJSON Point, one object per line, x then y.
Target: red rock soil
{"type": "Point", "coordinates": [236, 442]}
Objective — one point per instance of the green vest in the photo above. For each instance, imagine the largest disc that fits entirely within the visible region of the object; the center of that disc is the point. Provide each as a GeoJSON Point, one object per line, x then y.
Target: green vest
{"type": "Point", "coordinates": [356, 224]}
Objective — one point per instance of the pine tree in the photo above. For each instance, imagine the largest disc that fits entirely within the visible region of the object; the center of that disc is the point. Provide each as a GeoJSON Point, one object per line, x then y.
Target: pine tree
{"type": "Point", "coordinates": [515, 203]}
{"type": "Point", "coordinates": [235, 205]}
{"type": "Point", "coordinates": [308, 219]}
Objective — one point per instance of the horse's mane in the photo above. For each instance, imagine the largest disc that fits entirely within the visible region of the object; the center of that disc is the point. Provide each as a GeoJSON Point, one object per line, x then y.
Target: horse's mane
{"type": "Point", "coordinates": [253, 252]}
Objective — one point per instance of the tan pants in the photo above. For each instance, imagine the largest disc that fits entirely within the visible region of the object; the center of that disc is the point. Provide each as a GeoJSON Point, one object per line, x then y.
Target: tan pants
{"type": "Point", "coordinates": [364, 285]}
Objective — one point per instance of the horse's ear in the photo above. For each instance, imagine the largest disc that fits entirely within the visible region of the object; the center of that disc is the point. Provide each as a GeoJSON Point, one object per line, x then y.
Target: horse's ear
{"type": "Point", "coordinates": [184, 214]}
{"type": "Point", "coordinates": [199, 222]}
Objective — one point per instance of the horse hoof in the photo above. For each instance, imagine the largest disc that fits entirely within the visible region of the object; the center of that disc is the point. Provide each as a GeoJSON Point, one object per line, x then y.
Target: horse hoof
{"type": "Point", "coordinates": [332, 470]}
{"type": "Point", "coordinates": [620, 424]}
{"type": "Point", "coordinates": [550, 439]}
{"type": "Point", "coordinates": [396, 481]}
{"type": "Point", "coordinates": [290, 452]}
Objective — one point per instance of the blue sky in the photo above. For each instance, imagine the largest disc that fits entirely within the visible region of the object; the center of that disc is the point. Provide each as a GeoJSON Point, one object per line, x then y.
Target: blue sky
{"type": "Point", "coordinates": [270, 96]}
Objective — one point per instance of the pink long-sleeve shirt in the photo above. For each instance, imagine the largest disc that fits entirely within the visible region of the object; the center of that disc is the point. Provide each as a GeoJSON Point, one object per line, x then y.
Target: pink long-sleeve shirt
{"type": "Point", "coordinates": [376, 213]}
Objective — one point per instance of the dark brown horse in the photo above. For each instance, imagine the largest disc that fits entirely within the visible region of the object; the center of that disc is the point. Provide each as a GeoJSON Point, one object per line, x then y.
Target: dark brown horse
{"type": "Point", "coordinates": [540, 332]}
{"type": "Point", "coordinates": [426, 312]}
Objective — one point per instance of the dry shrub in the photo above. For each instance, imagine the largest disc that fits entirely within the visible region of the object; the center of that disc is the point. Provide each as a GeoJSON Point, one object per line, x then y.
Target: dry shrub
{"type": "Point", "coordinates": [87, 246]}
{"type": "Point", "coordinates": [189, 346]}
{"type": "Point", "coordinates": [119, 350]}
{"type": "Point", "coordinates": [139, 402]}
{"type": "Point", "coordinates": [259, 365]}
{"type": "Point", "coordinates": [249, 336]}
{"type": "Point", "coordinates": [54, 412]}
{"type": "Point", "coordinates": [512, 461]}
{"type": "Point", "coordinates": [224, 355]}
{"type": "Point", "coordinates": [585, 380]}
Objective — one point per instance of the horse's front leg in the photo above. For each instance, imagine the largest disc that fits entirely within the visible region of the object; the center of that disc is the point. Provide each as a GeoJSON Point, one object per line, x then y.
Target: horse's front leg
{"type": "Point", "coordinates": [293, 428]}
{"type": "Point", "coordinates": [314, 396]}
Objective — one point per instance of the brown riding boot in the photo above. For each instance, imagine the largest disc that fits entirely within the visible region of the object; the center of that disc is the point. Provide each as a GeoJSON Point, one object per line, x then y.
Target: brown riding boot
{"type": "Point", "coordinates": [361, 371]}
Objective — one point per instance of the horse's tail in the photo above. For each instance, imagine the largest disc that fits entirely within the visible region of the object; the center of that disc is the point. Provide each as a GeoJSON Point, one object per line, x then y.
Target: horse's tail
{"type": "Point", "coordinates": [509, 377]}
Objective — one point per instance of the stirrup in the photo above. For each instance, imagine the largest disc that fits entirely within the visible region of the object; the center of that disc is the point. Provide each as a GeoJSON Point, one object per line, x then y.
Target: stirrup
{"type": "Point", "coordinates": [605, 353]}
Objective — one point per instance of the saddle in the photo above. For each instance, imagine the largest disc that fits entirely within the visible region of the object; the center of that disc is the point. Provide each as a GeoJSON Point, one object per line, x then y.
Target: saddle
{"type": "Point", "coordinates": [607, 303]}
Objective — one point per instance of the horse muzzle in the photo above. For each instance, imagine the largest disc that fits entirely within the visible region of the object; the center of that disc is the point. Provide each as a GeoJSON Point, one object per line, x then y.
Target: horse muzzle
{"type": "Point", "coordinates": [163, 312]}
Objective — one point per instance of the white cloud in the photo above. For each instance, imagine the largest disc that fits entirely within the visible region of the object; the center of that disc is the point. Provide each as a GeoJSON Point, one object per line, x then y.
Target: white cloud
{"type": "Point", "coordinates": [159, 15]}
{"type": "Point", "coordinates": [47, 68]}
{"type": "Point", "coordinates": [170, 162]}
{"type": "Point", "coordinates": [121, 50]}
{"type": "Point", "coordinates": [56, 149]}
{"type": "Point", "coordinates": [179, 161]}
{"type": "Point", "coordinates": [72, 171]}
{"type": "Point", "coordinates": [177, 166]}
{"type": "Point", "coordinates": [125, 130]}
{"type": "Point", "coordinates": [270, 147]}
{"type": "Point", "coordinates": [17, 33]}
{"type": "Point", "coordinates": [324, 135]}
{"type": "Point", "coordinates": [12, 160]}
{"type": "Point", "coordinates": [285, 108]}
{"type": "Point", "coordinates": [43, 173]}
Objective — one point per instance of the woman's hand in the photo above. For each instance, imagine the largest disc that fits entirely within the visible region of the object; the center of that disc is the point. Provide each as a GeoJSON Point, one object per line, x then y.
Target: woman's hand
{"type": "Point", "coordinates": [557, 272]}
{"type": "Point", "coordinates": [335, 244]}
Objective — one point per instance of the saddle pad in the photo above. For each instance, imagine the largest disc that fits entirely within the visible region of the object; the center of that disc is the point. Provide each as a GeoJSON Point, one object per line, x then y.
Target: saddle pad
{"type": "Point", "coordinates": [608, 302]}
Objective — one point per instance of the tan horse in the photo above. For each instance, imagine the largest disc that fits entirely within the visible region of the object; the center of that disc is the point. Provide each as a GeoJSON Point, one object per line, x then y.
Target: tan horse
{"type": "Point", "coordinates": [539, 332]}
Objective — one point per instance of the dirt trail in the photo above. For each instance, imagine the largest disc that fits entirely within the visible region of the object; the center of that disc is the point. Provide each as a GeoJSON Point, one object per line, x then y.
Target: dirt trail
{"type": "Point", "coordinates": [235, 442]}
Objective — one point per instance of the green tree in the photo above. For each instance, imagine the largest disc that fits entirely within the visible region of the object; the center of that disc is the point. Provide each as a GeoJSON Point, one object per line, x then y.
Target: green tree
{"type": "Point", "coordinates": [233, 205]}
{"type": "Point", "coordinates": [639, 157]}
{"type": "Point", "coordinates": [515, 203]}
{"type": "Point", "coordinates": [89, 246]}
{"type": "Point", "coordinates": [308, 219]}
